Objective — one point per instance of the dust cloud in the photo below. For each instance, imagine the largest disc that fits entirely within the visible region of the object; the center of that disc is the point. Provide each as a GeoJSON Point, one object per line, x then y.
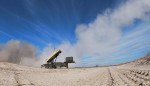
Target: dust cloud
{"type": "Point", "coordinates": [19, 52]}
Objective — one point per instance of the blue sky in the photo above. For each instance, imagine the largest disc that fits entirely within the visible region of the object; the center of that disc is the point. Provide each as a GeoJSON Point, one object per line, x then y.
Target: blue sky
{"type": "Point", "coordinates": [49, 21]}
{"type": "Point", "coordinates": [60, 23]}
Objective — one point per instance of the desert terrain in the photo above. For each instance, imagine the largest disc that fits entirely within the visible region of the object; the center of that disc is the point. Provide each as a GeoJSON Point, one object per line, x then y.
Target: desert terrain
{"type": "Point", "coordinates": [135, 73]}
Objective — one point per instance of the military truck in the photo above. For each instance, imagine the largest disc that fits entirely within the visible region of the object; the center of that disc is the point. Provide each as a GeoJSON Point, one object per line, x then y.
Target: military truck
{"type": "Point", "coordinates": [51, 61]}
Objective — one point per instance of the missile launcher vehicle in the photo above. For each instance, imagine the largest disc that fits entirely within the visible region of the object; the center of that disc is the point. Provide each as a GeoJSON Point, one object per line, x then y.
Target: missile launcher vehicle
{"type": "Point", "coordinates": [51, 61]}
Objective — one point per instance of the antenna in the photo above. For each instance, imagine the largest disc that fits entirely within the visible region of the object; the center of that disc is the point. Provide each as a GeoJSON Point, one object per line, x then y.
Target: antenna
{"type": "Point", "coordinates": [54, 46]}
{"type": "Point", "coordinates": [54, 50]}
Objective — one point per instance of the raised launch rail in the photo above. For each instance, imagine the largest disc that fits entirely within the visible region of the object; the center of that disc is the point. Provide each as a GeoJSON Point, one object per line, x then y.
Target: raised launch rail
{"type": "Point", "coordinates": [53, 56]}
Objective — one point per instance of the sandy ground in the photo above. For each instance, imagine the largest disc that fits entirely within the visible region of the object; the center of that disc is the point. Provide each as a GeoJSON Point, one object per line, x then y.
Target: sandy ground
{"type": "Point", "coordinates": [15, 75]}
